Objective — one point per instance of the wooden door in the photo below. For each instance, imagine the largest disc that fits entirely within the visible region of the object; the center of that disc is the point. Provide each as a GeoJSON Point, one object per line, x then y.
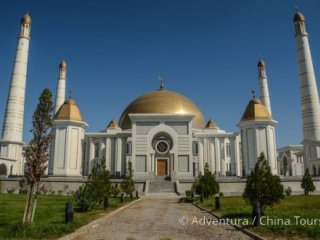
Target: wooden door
{"type": "Point", "coordinates": [162, 166]}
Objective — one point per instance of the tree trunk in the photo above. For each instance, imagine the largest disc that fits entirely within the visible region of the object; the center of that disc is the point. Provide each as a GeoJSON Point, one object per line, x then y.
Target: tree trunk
{"type": "Point", "coordinates": [27, 210]}
{"type": "Point", "coordinates": [35, 202]}
{"type": "Point", "coordinates": [34, 208]}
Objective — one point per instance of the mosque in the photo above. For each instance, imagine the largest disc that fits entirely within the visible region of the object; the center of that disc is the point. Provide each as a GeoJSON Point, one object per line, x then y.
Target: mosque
{"type": "Point", "coordinates": [162, 133]}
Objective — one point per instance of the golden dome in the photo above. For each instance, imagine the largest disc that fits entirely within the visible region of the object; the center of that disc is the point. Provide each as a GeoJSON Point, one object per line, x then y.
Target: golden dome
{"type": "Point", "coordinates": [162, 101]}
{"type": "Point", "coordinates": [69, 111]}
{"type": "Point", "coordinates": [63, 64]}
{"type": "Point", "coordinates": [113, 124]}
{"type": "Point", "coordinates": [26, 19]}
{"type": "Point", "coordinates": [298, 17]}
{"type": "Point", "coordinates": [211, 125]}
{"type": "Point", "coordinates": [256, 110]}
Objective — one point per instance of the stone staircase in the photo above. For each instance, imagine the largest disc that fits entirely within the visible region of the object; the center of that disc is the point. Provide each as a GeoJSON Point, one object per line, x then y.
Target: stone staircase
{"type": "Point", "coordinates": [162, 186]}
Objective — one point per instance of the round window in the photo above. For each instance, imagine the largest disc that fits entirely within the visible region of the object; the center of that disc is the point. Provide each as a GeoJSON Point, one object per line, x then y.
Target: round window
{"type": "Point", "coordinates": [162, 147]}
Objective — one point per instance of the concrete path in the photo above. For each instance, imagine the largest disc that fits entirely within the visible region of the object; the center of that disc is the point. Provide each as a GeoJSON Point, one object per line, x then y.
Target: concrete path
{"type": "Point", "coordinates": [158, 219]}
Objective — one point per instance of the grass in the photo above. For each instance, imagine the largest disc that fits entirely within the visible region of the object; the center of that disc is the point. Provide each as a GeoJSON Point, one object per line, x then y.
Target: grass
{"type": "Point", "coordinates": [49, 217]}
{"type": "Point", "coordinates": [279, 220]}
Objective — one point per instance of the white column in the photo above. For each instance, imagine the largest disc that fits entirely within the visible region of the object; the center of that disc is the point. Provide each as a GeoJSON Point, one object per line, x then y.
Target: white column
{"type": "Point", "coordinates": [263, 85]}
{"type": "Point", "coordinates": [118, 154]}
{"type": "Point", "coordinates": [149, 163]}
{"type": "Point", "coordinates": [13, 120]}
{"type": "Point", "coordinates": [201, 164]}
{"type": "Point", "coordinates": [91, 155]}
{"type": "Point", "coordinates": [61, 87]}
{"type": "Point", "coordinates": [223, 155]}
{"type": "Point", "coordinates": [152, 164]}
{"type": "Point", "coordinates": [218, 159]}
{"type": "Point", "coordinates": [212, 157]}
{"type": "Point", "coordinates": [108, 154]}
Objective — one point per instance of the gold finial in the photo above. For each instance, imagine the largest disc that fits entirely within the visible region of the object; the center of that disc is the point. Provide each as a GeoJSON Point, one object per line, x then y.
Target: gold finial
{"type": "Point", "coordinates": [26, 19]}
{"type": "Point", "coordinates": [253, 94]}
{"type": "Point", "coordinates": [161, 83]}
{"type": "Point", "coordinates": [63, 64]}
{"type": "Point", "coordinates": [261, 63]}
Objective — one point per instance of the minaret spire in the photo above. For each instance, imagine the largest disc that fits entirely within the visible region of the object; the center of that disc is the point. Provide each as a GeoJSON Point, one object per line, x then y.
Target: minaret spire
{"type": "Point", "coordinates": [12, 131]}
{"type": "Point", "coordinates": [263, 85]}
{"type": "Point", "coordinates": [308, 85]}
{"type": "Point", "coordinates": [309, 95]}
{"type": "Point", "coordinates": [61, 87]}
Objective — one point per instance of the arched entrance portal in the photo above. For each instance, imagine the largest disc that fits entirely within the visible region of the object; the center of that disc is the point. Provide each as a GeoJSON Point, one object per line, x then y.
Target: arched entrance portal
{"type": "Point", "coordinates": [162, 144]}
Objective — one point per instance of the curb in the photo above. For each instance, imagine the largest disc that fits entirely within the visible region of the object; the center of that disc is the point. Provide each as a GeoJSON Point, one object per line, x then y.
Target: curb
{"type": "Point", "coordinates": [96, 222]}
{"type": "Point", "coordinates": [238, 227]}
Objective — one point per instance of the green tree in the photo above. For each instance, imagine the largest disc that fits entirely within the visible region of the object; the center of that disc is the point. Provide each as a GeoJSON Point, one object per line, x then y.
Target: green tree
{"type": "Point", "coordinates": [95, 190]}
{"type": "Point", "coordinates": [263, 187]}
{"type": "Point", "coordinates": [206, 183]}
{"type": "Point", "coordinates": [115, 190]}
{"type": "Point", "coordinates": [37, 152]}
{"type": "Point", "coordinates": [127, 185]}
{"type": "Point", "coordinates": [307, 183]}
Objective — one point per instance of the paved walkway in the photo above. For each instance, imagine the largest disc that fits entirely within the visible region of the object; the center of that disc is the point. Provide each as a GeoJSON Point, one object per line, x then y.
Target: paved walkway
{"type": "Point", "coordinates": [159, 219]}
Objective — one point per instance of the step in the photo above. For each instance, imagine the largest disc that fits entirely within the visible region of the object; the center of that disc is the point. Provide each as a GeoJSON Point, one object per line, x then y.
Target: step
{"type": "Point", "coordinates": [161, 187]}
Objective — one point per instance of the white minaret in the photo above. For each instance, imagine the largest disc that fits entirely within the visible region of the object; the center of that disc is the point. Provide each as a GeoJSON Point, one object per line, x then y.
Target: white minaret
{"type": "Point", "coordinates": [257, 136]}
{"type": "Point", "coordinates": [309, 97]}
{"type": "Point", "coordinates": [66, 149]}
{"type": "Point", "coordinates": [263, 85]}
{"type": "Point", "coordinates": [12, 132]}
{"type": "Point", "coordinates": [61, 87]}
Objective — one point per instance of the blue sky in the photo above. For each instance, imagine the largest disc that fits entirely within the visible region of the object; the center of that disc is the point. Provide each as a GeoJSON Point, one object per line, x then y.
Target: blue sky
{"type": "Point", "coordinates": [205, 50]}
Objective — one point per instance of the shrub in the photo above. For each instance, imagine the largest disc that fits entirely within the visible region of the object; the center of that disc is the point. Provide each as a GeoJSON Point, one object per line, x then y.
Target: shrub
{"type": "Point", "coordinates": [10, 190]}
{"type": "Point", "coordinates": [65, 188]}
{"type": "Point", "coordinates": [23, 188]}
{"type": "Point", "coordinates": [188, 193]}
{"type": "Point", "coordinates": [307, 183]}
{"type": "Point", "coordinates": [84, 198]}
{"type": "Point", "coordinates": [95, 190]}
{"type": "Point", "coordinates": [127, 186]}
{"type": "Point", "coordinates": [43, 189]}
{"type": "Point", "coordinates": [115, 190]}
{"type": "Point", "coordinates": [288, 191]}
{"type": "Point", "coordinates": [263, 187]}
{"type": "Point", "coordinates": [1, 186]}
{"type": "Point", "coordinates": [206, 183]}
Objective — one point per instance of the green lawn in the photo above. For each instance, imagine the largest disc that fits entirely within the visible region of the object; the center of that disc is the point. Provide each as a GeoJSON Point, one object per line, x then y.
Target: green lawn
{"type": "Point", "coordinates": [49, 217]}
{"type": "Point", "coordinates": [281, 221]}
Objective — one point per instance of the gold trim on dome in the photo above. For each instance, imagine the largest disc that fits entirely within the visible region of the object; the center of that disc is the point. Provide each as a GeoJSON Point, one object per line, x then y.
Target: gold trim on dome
{"type": "Point", "coordinates": [162, 101]}
{"type": "Point", "coordinates": [256, 110]}
{"type": "Point", "coordinates": [69, 111]}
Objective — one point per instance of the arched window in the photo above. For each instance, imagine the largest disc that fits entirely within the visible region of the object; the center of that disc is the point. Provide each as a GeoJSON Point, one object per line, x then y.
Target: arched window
{"type": "Point", "coordinates": [285, 166]}
{"type": "Point", "coordinates": [3, 170]}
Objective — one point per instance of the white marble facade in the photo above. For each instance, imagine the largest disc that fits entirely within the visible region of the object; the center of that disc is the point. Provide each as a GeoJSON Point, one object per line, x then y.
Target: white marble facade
{"type": "Point", "coordinates": [164, 137]}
